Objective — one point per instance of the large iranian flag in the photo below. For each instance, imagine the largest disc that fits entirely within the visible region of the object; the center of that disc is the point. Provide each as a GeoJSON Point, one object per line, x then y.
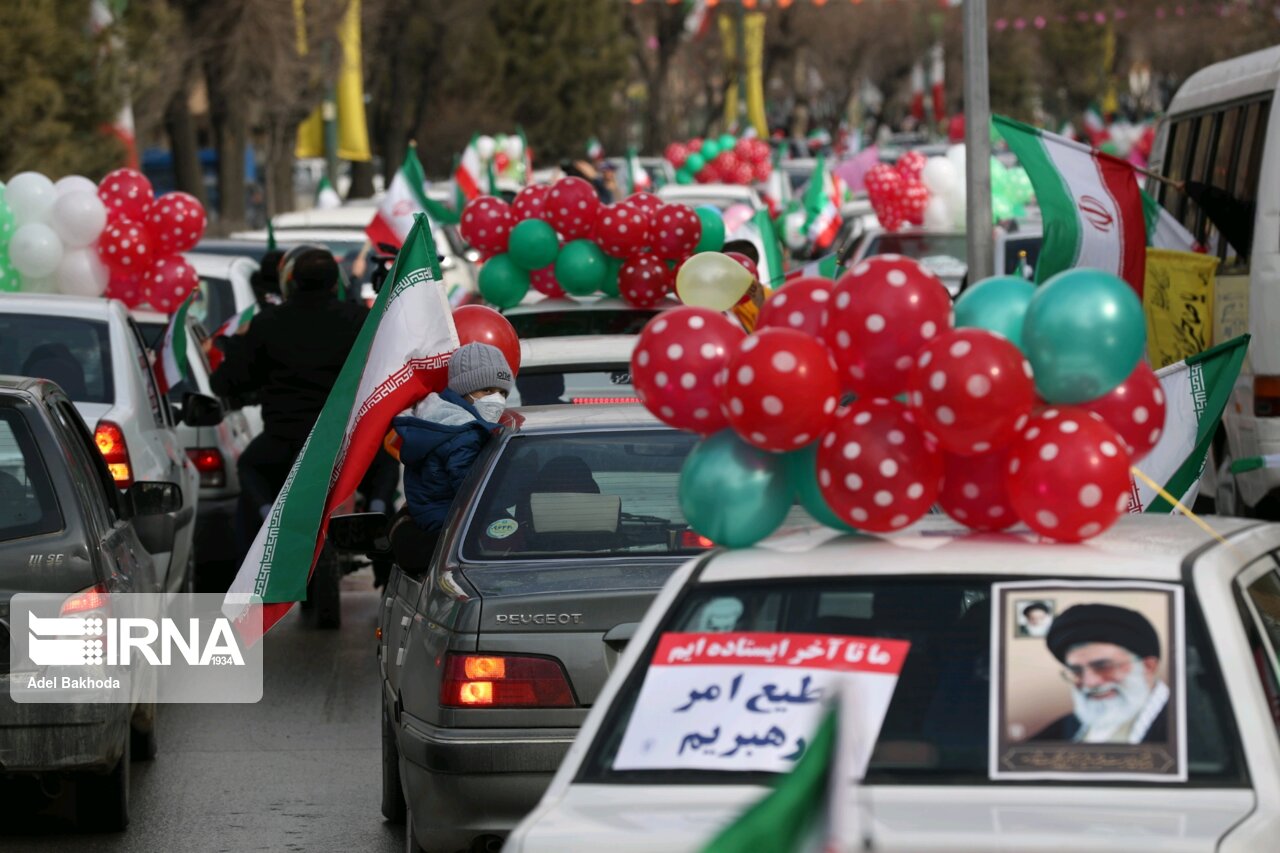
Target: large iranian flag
{"type": "Point", "coordinates": [1091, 203]}
{"type": "Point", "coordinates": [400, 356]}
{"type": "Point", "coordinates": [174, 366]}
{"type": "Point", "coordinates": [1196, 392]}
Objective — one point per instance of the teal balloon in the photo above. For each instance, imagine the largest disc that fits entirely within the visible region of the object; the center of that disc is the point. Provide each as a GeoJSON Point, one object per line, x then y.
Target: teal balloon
{"type": "Point", "coordinates": [732, 493]}
{"type": "Point", "coordinates": [710, 150]}
{"type": "Point", "coordinates": [502, 282]}
{"type": "Point", "coordinates": [693, 165]}
{"type": "Point", "coordinates": [712, 239]}
{"type": "Point", "coordinates": [997, 304]}
{"type": "Point", "coordinates": [7, 228]}
{"type": "Point", "coordinates": [727, 142]}
{"type": "Point", "coordinates": [1083, 333]}
{"type": "Point", "coordinates": [609, 287]}
{"type": "Point", "coordinates": [802, 475]}
{"type": "Point", "coordinates": [581, 267]}
{"type": "Point", "coordinates": [533, 245]}
{"type": "Point", "coordinates": [683, 177]}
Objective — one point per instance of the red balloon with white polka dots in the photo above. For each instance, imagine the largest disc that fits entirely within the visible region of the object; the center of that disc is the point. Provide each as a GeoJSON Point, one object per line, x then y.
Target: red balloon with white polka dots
{"type": "Point", "coordinates": [572, 207]}
{"type": "Point", "coordinates": [674, 231]}
{"type": "Point", "coordinates": [126, 193]}
{"type": "Point", "coordinates": [544, 281]}
{"type": "Point", "coordinates": [1068, 474]}
{"type": "Point", "coordinates": [677, 365]}
{"type": "Point", "coordinates": [801, 304]}
{"type": "Point", "coordinates": [622, 230]}
{"type": "Point", "coordinates": [881, 313]}
{"type": "Point", "coordinates": [1135, 408]}
{"type": "Point", "coordinates": [781, 392]}
{"type": "Point", "coordinates": [875, 469]}
{"type": "Point", "coordinates": [974, 491]}
{"type": "Point", "coordinates": [969, 388]}
{"type": "Point", "coordinates": [644, 280]}
{"type": "Point", "coordinates": [528, 202]}
{"type": "Point", "coordinates": [176, 222]}
{"type": "Point", "coordinates": [486, 224]}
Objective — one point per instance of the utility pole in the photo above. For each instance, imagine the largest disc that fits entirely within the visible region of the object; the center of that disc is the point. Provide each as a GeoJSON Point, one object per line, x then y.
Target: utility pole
{"type": "Point", "coordinates": [977, 139]}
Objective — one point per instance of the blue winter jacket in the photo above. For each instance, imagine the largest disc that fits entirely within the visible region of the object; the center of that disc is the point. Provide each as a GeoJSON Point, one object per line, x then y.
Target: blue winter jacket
{"type": "Point", "coordinates": [440, 443]}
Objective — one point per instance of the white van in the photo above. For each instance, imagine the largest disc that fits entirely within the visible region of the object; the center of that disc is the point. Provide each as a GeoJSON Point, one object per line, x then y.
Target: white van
{"type": "Point", "coordinates": [1221, 129]}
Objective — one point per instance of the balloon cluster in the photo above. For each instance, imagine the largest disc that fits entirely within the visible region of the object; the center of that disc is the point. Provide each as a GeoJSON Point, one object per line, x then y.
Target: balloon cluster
{"type": "Point", "coordinates": [1029, 406]}
{"type": "Point", "coordinates": [898, 193]}
{"type": "Point", "coordinates": [560, 239]}
{"type": "Point", "coordinates": [506, 153]}
{"type": "Point", "coordinates": [931, 191]}
{"type": "Point", "coordinates": [720, 160]}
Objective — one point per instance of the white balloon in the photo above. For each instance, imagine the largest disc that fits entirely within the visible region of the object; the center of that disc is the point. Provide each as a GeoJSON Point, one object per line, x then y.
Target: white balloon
{"type": "Point", "coordinates": [939, 175]}
{"type": "Point", "coordinates": [957, 157]}
{"type": "Point", "coordinates": [35, 250]}
{"type": "Point", "coordinates": [937, 213]}
{"type": "Point", "coordinates": [79, 218]}
{"type": "Point", "coordinates": [485, 146]}
{"type": "Point", "coordinates": [30, 196]}
{"type": "Point", "coordinates": [513, 146]}
{"type": "Point", "coordinates": [74, 183]}
{"type": "Point", "coordinates": [48, 284]}
{"type": "Point", "coordinates": [82, 273]}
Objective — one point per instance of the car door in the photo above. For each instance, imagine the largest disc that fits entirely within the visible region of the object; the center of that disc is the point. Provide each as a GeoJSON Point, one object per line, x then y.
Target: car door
{"type": "Point", "coordinates": [400, 606]}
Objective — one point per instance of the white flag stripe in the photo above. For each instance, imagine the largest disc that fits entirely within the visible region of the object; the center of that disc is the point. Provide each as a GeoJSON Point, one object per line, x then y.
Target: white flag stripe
{"type": "Point", "coordinates": [1094, 248]}
{"type": "Point", "coordinates": [1180, 384]}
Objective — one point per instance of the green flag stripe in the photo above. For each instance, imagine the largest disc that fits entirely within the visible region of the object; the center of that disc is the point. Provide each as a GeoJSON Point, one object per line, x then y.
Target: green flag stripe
{"type": "Point", "coordinates": [180, 338]}
{"type": "Point", "coordinates": [1061, 223]}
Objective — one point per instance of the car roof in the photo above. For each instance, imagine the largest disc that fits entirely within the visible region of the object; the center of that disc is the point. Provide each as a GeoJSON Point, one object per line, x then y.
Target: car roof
{"type": "Point", "coordinates": [675, 192]}
{"type": "Point", "coordinates": [570, 418]}
{"type": "Point", "coordinates": [214, 265]}
{"type": "Point", "coordinates": [333, 217]}
{"type": "Point", "coordinates": [547, 305]}
{"type": "Point", "coordinates": [571, 350]}
{"type": "Point", "coordinates": [57, 305]}
{"type": "Point", "coordinates": [1139, 546]}
{"type": "Point", "coordinates": [23, 385]}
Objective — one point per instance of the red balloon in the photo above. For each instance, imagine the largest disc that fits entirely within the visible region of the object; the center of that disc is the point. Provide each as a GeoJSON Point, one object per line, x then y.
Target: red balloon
{"type": "Point", "coordinates": [911, 165]}
{"type": "Point", "coordinates": [915, 198]}
{"type": "Point", "coordinates": [695, 144]}
{"type": "Point", "coordinates": [648, 202]}
{"type": "Point", "coordinates": [761, 170]}
{"type": "Point", "coordinates": [727, 162]}
{"type": "Point", "coordinates": [744, 149]}
{"type": "Point", "coordinates": [760, 151]}
{"type": "Point", "coordinates": [742, 174]}
{"type": "Point", "coordinates": [176, 222]}
{"type": "Point", "coordinates": [571, 208]}
{"type": "Point", "coordinates": [801, 304]}
{"type": "Point", "coordinates": [781, 391]}
{"type": "Point", "coordinates": [677, 364]}
{"type": "Point", "coordinates": [486, 224]}
{"type": "Point", "coordinates": [675, 231]}
{"type": "Point", "coordinates": [127, 287]}
{"type": "Point", "coordinates": [1135, 408]}
{"type": "Point", "coordinates": [528, 203]}
{"type": "Point", "coordinates": [622, 229]}
{"type": "Point", "coordinates": [125, 247]}
{"type": "Point", "coordinates": [168, 282]}
{"type": "Point", "coordinates": [482, 324]}
{"type": "Point", "coordinates": [1068, 474]}
{"type": "Point", "coordinates": [126, 193]}
{"type": "Point", "coordinates": [969, 388]}
{"type": "Point", "coordinates": [644, 280]}
{"type": "Point", "coordinates": [501, 161]}
{"type": "Point", "coordinates": [747, 264]}
{"type": "Point", "coordinates": [882, 313]}
{"type": "Point", "coordinates": [707, 174]}
{"type": "Point", "coordinates": [875, 469]}
{"type": "Point", "coordinates": [974, 491]}
{"type": "Point", "coordinates": [676, 154]}
{"type": "Point", "coordinates": [544, 281]}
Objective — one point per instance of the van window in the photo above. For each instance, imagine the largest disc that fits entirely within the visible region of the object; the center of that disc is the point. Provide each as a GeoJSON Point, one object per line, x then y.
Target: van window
{"type": "Point", "coordinates": [1180, 134]}
{"type": "Point", "coordinates": [27, 504]}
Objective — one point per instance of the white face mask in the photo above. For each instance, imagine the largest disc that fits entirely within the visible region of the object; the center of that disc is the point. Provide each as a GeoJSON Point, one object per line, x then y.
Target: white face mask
{"type": "Point", "coordinates": [491, 407]}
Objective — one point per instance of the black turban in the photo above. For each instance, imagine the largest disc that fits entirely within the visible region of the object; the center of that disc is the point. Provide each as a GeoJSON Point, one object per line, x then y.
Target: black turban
{"type": "Point", "coordinates": [1103, 623]}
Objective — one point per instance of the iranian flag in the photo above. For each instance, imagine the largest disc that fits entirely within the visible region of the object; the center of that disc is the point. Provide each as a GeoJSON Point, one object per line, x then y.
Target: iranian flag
{"type": "Point", "coordinates": [230, 327]}
{"type": "Point", "coordinates": [404, 200]}
{"type": "Point", "coordinates": [1163, 231]}
{"type": "Point", "coordinates": [638, 179]}
{"type": "Point", "coordinates": [1091, 203]}
{"type": "Point", "coordinates": [470, 172]}
{"type": "Point", "coordinates": [826, 266]}
{"type": "Point", "coordinates": [174, 366]}
{"type": "Point", "coordinates": [400, 356]}
{"type": "Point", "coordinates": [821, 204]}
{"type": "Point", "coordinates": [1196, 392]}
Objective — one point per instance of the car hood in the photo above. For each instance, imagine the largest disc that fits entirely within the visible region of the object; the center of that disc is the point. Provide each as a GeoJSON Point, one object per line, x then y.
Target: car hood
{"type": "Point", "coordinates": [675, 818]}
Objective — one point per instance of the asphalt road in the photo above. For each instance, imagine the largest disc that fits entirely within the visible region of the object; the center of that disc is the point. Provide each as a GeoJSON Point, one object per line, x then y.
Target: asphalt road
{"type": "Point", "coordinates": [300, 770]}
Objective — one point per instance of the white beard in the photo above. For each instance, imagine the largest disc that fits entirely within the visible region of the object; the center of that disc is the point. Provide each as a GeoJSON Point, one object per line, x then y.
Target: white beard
{"type": "Point", "coordinates": [1041, 630]}
{"type": "Point", "coordinates": [1100, 718]}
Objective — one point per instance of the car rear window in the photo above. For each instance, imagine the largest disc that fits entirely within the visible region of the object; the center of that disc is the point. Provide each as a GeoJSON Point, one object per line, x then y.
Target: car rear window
{"type": "Point", "coordinates": [594, 384]}
{"type": "Point", "coordinates": [936, 729]}
{"type": "Point", "coordinates": [214, 303]}
{"type": "Point", "coordinates": [545, 324]}
{"type": "Point", "coordinates": [587, 494]}
{"type": "Point", "coordinates": [27, 504]}
{"type": "Point", "coordinates": [73, 352]}
{"type": "Point", "coordinates": [921, 246]}
{"type": "Point", "coordinates": [153, 337]}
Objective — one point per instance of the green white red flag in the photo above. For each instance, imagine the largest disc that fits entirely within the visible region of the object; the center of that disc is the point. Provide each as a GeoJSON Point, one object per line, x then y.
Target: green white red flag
{"type": "Point", "coordinates": [470, 173]}
{"type": "Point", "coordinates": [821, 204]}
{"type": "Point", "coordinates": [638, 179]}
{"type": "Point", "coordinates": [404, 199]}
{"type": "Point", "coordinates": [1163, 231]}
{"type": "Point", "coordinates": [1090, 201]}
{"type": "Point", "coordinates": [174, 365]}
{"type": "Point", "coordinates": [400, 356]}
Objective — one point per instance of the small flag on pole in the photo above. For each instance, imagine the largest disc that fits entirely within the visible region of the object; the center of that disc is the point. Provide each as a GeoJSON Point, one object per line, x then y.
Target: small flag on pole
{"type": "Point", "coordinates": [174, 366]}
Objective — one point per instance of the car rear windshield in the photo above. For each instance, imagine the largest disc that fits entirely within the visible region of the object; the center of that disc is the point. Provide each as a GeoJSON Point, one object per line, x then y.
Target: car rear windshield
{"type": "Point", "coordinates": [27, 504]}
{"type": "Point", "coordinates": [214, 303]}
{"type": "Point", "coordinates": [921, 246]}
{"type": "Point", "coordinates": [589, 494]}
{"type": "Point", "coordinates": [587, 384]}
{"type": "Point", "coordinates": [153, 337]}
{"type": "Point", "coordinates": [936, 729]}
{"type": "Point", "coordinates": [73, 352]}
{"type": "Point", "coordinates": [612, 321]}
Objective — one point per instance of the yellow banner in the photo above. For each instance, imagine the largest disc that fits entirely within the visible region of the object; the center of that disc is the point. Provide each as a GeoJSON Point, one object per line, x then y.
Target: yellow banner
{"type": "Point", "coordinates": [1178, 300]}
{"type": "Point", "coordinates": [754, 52]}
{"type": "Point", "coordinates": [353, 130]}
{"type": "Point", "coordinates": [729, 51]}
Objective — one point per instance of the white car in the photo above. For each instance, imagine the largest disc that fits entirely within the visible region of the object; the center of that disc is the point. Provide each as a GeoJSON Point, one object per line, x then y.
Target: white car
{"type": "Point", "coordinates": [538, 316]}
{"type": "Point", "coordinates": [720, 196]}
{"type": "Point", "coordinates": [214, 450]}
{"type": "Point", "coordinates": [974, 633]}
{"type": "Point", "coordinates": [94, 350]}
{"type": "Point", "coordinates": [581, 369]}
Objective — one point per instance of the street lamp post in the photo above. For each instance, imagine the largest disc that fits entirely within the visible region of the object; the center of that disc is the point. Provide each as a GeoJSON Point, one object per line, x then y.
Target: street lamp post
{"type": "Point", "coordinates": [977, 138]}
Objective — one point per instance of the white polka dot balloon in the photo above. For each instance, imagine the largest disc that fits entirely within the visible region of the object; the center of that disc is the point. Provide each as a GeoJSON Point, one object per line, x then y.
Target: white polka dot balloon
{"type": "Point", "coordinates": [781, 391]}
{"type": "Point", "coordinates": [1136, 409]}
{"type": "Point", "coordinates": [974, 490]}
{"type": "Point", "coordinates": [572, 207]}
{"type": "Point", "coordinates": [486, 224]}
{"type": "Point", "coordinates": [176, 222]}
{"type": "Point", "coordinates": [800, 304]}
{"type": "Point", "coordinates": [677, 363]}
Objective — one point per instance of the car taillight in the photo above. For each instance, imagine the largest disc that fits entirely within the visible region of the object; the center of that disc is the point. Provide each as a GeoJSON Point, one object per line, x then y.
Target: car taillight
{"type": "Point", "coordinates": [504, 681]}
{"type": "Point", "coordinates": [694, 539]}
{"type": "Point", "coordinates": [110, 440]}
{"type": "Point", "coordinates": [210, 464]}
{"type": "Point", "coordinates": [597, 401]}
{"type": "Point", "coordinates": [84, 601]}
{"type": "Point", "coordinates": [1266, 396]}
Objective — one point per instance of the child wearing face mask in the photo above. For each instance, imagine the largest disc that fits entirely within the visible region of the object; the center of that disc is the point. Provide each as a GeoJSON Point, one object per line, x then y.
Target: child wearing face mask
{"type": "Point", "coordinates": [442, 437]}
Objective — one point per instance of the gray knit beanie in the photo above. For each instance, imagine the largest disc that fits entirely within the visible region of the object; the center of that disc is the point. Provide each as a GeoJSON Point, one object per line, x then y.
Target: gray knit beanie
{"type": "Point", "coordinates": [475, 366]}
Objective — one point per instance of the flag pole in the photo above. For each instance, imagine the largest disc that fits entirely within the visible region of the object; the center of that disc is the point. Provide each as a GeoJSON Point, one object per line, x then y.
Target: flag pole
{"type": "Point", "coordinates": [977, 138]}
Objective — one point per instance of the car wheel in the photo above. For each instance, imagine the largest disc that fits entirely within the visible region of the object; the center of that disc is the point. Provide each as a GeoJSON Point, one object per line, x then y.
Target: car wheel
{"type": "Point", "coordinates": [324, 587]}
{"type": "Point", "coordinates": [393, 805]}
{"type": "Point", "coordinates": [142, 733]}
{"type": "Point", "coordinates": [102, 801]}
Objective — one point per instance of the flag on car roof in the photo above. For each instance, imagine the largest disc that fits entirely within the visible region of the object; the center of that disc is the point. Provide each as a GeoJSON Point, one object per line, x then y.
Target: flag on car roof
{"type": "Point", "coordinates": [400, 356]}
{"type": "Point", "coordinates": [1196, 392]}
{"type": "Point", "coordinates": [327, 197]}
{"type": "Point", "coordinates": [821, 204]}
{"type": "Point", "coordinates": [469, 174]}
{"type": "Point", "coordinates": [174, 366]}
{"type": "Point", "coordinates": [826, 266]}
{"type": "Point", "coordinates": [1091, 203]}
{"type": "Point", "coordinates": [638, 179]}
{"type": "Point", "coordinates": [404, 199]}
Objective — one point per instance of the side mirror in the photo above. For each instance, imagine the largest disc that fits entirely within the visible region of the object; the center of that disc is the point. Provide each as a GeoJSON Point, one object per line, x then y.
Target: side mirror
{"type": "Point", "coordinates": [360, 533]}
{"type": "Point", "coordinates": [153, 498]}
{"type": "Point", "coordinates": [201, 410]}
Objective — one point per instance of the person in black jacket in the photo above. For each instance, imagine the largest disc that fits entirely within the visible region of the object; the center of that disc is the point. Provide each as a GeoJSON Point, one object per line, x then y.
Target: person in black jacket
{"type": "Point", "coordinates": [289, 357]}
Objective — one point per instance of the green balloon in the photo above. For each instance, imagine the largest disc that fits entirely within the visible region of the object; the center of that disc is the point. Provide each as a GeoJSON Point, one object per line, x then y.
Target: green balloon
{"type": "Point", "coordinates": [727, 142]}
{"type": "Point", "coordinates": [694, 164]}
{"type": "Point", "coordinates": [710, 150]}
{"type": "Point", "coordinates": [10, 279]}
{"type": "Point", "coordinates": [732, 493]}
{"type": "Point", "coordinates": [609, 287]}
{"type": "Point", "coordinates": [997, 304]}
{"type": "Point", "coordinates": [712, 239]}
{"type": "Point", "coordinates": [581, 267]}
{"type": "Point", "coordinates": [802, 476]}
{"type": "Point", "coordinates": [1083, 334]}
{"type": "Point", "coordinates": [502, 282]}
{"type": "Point", "coordinates": [7, 227]}
{"type": "Point", "coordinates": [533, 245]}
{"type": "Point", "coordinates": [683, 177]}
